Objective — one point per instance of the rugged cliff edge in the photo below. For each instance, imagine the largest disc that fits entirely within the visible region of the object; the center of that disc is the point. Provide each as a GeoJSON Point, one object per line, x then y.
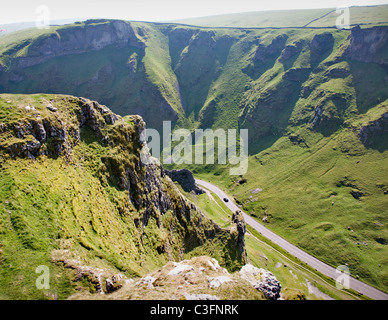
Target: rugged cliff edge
{"type": "Point", "coordinates": [270, 79]}
{"type": "Point", "coordinates": [200, 278]}
{"type": "Point", "coordinates": [92, 36]}
{"type": "Point", "coordinates": [74, 189]}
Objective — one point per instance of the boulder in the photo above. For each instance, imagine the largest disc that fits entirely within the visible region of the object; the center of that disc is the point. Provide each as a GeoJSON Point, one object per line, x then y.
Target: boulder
{"type": "Point", "coordinates": [185, 178]}
{"type": "Point", "coordinates": [52, 108]}
{"type": "Point", "coordinates": [180, 268]}
{"type": "Point", "coordinates": [146, 282]}
{"type": "Point", "coordinates": [200, 296]}
{"type": "Point", "coordinates": [262, 280]}
{"type": "Point", "coordinates": [215, 282]}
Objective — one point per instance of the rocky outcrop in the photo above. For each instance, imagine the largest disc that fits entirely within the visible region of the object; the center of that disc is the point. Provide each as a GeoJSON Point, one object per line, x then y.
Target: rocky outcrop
{"type": "Point", "coordinates": [291, 50]}
{"type": "Point", "coordinates": [102, 280]}
{"type": "Point", "coordinates": [91, 36]}
{"type": "Point", "coordinates": [297, 74]}
{"type": "Point", "coordinates": [47, 133]}
{"type": "Point", "coordinates": [320, 44]}
{"type": "Point", "coordinates": [156, 207]}
{"type": "Point", "coordinates": [238, 220]}
{"type": "Point", "coordinates": [262, 280]}
{"type": "Point", "coordinates": [368, 133]}
{"type": "Point", "coordinates": [186, 180]}
{"type": "Point", "coordinates": [368, 45]}
{"type": "Point", "coordinates": [264, 53]}
{"type": "Point", "coordinates": [200, 278]}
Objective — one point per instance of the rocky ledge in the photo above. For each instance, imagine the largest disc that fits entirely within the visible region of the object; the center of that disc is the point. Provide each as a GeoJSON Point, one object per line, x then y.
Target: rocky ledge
{"type": "Point", "coordinates": [57, 127]}
{"type": "Point", "coordinates": [373, 130]}
{"type": "Point", "coordinates": [199, 278]}
{"type": "Point", "coordinates": [186, 180]}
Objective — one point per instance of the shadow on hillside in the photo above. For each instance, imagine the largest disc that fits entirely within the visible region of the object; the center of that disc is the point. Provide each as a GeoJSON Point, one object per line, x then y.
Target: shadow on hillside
{"type": "Point", "coordinates": [88, 136]}
{"type": "Point", "coordinates": [197, 60]}
{"type": "Point", "coordinates": [321, 47]}
{"type": "Point", "coordinates": [263, 143]}
{"type": "Point", "coordinates": [268, 120]}
{"type": "Point", "coordinates": [378, 139]}
{"type": "Point", "coordinates": [381, 145]}
{"type": "Point", "coordinates": [369, 80]}
{"type": "Point", "coordinates": [265, 57]}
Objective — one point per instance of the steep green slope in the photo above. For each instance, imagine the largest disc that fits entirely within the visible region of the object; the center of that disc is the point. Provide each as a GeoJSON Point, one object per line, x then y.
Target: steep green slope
{"type": "Point", "coordinates": [104, 60]}
{"type": "Point", "coordinates": [314, 102]}
{"type": "Point", "coordinates": [292, 274]}
{"type": "Point", "coordinates": [76, 198]}
{"type": "Point", "coordinates": [317, 110]}
{"type": "Point", "coordinates": [326, 194]}
{"type": "Point", "coordinates": [190, 76]}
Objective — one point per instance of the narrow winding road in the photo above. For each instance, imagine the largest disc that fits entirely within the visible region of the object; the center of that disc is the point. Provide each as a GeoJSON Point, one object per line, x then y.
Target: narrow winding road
{"type": "Point", "coordinates": [325, 269]}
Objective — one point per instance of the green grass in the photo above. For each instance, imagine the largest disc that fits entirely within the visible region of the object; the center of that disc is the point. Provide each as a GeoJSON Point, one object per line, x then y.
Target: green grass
{"type": "Point", "coordinates": [367, 15]}
{"type": "Point", "coordinates": [259, 19]}
{"type": "Point", "coordinates": [299, 186]}
{"type": "Point", "coordinates": [238, 78]}
{"type": "Point", "coordinates": [48, 204]}
{"type": "Point", "coordinates": [292, 274]}
{"type": "Point", "coordinates": [78, 206]}
{"type": "Point", "coordinates": [213, 207]}
{"type": "Point", "coordinates": [157, 66]}
{"type": "Point", "coordinates": [314, 18]}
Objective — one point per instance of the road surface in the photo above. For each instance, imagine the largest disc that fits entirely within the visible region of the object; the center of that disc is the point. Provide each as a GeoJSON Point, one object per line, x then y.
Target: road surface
{"type": "Point", "coordinates": [325, 269]}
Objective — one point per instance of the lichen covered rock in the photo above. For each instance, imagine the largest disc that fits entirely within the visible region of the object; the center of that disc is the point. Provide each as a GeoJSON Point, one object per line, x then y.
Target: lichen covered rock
{"type": "Point", "coordinates": [262, 280]}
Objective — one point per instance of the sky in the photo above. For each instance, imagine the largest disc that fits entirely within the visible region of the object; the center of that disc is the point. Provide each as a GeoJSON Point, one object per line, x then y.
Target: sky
{"type": "Point", "coordinates": [12, 11]}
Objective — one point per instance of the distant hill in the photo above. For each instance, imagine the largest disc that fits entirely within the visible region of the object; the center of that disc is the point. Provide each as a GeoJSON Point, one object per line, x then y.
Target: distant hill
{"type": "Point", "coordinates": [12, 27]}
{"type": "Point", "coordinates": [315, 102]}
{"type": "Point", "coordinates": [291, 18]}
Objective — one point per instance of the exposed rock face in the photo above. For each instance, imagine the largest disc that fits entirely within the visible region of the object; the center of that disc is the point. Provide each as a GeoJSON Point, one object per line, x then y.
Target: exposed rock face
{"type": "Point", "coordinates": [198, 278]}
{"type": "Point", "coordinates": [92, 37]}
{"type": "Point", "coordinates": [365, 44]}
{"type": "Point", "coordinates": [262, 280]}
{"type": "Point", "coordinates": [239, 221]}
{"type": "Point", "coordinates": [151, 194]}
{"type": "Point", "coordinates": [297, 74]}
{"type": "Point", "coordinates": [215, 282]}
{"type": "Point", "coordinates": [185, 178]}
{"type": "Point", "coordinates": [321, 43]}
{"type": "Point", "coordinates": [47, 134]}
{"type": "Point", "coordinates": [101, 279]}
{"type": "Point", "coordinates": [119, 79]}
{"type": "Point", "coordinates": [290, 51]}
{"type": "Point", "coordinates": [379, 127]}
{"type": "Point", "coordinates": [263, 53]}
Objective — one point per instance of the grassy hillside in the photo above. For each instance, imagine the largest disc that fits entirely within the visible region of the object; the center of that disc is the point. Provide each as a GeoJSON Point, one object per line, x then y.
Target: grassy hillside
{"type": "Point", "coordinates": [315, 18]}
{"type": "Point", "coordinates": [306, 108]}
{"type": "Point", "coordinates": [298, 281]}
{"type": "Point", "coordinates": [193, 77]}
{"type": "Point", "coordinates": [328, 195]}
{"type": "Point", "coordinates": [75, 198]}
{"type": "Point", "coordinates": [314, 101]}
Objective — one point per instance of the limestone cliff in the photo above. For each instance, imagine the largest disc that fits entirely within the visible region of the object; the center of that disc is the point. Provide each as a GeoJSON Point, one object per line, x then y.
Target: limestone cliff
{"type": "Point", "coordinates": [369, 45]}
{"type": "Point", "coordinates": [90, 195]}
{"type": "Point", "coordinates": [91, 36]}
